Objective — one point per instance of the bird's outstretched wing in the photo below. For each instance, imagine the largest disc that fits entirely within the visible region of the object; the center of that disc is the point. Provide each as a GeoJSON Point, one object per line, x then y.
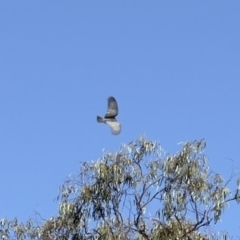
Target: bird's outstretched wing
{"type": "Point", "coordinates": [115, 127]}
{"type": "Point", "coordinates": [112, 108]}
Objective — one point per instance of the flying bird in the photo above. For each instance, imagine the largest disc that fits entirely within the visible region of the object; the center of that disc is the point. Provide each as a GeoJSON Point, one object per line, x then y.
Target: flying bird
{"type": "Point", "coordinates": [109, 117]}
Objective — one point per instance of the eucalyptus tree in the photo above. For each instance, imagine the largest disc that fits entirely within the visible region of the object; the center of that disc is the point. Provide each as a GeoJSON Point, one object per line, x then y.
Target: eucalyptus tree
{"type": "Point", "coordinates": [139, 192]}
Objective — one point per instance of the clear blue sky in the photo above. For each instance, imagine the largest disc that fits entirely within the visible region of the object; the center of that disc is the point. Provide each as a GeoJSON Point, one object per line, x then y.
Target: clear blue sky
{"type": "Point", "coordinates": [173, 66]}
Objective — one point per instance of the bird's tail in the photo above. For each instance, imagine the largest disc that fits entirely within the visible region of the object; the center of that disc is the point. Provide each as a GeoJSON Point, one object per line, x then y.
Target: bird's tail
{"type": "Point", "coordinates": [100, 119]}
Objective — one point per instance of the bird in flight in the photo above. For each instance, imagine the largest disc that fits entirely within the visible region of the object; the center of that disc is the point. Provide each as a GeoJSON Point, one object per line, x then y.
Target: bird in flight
{"type": "Point", "coordinates": [109, 117]}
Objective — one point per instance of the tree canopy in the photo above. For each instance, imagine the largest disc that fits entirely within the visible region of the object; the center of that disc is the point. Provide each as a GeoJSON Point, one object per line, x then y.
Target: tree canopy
{"type": "Point", "coordinates": [139, 192]}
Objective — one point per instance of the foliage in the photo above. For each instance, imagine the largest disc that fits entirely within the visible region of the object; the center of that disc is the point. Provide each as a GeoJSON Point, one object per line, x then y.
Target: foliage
{"type": "Point", "coordinates": [139, 192]}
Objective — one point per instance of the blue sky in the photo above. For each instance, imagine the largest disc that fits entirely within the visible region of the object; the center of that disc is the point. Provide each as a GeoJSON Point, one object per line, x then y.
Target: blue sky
{"type": "Point", "coordinates": [173, 67]}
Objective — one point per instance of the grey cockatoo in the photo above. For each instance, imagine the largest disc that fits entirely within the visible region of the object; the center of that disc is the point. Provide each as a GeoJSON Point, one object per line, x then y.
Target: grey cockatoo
{"type": "Point", "coordinates": [109, 118]}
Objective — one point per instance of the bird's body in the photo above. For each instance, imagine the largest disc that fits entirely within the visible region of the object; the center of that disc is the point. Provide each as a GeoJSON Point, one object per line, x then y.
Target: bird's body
{"type": "Point", "coordinates": [109, 117]}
